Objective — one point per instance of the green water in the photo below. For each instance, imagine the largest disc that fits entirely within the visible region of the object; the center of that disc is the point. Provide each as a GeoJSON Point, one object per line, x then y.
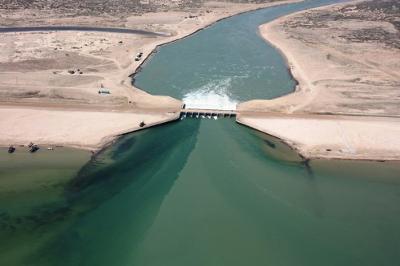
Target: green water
{"type": "Point", "coordinates": [211, 193]}
{"type": "Point", "coordinates": [199, 191]}
{"type": "Point", "coordinates": [31, 196]}
{"type": "Point", "coordinates": [227, 63]}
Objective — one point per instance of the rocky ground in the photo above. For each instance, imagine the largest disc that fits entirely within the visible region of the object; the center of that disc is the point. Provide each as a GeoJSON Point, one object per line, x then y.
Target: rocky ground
{"type": "Point", "coordinates": [112, 12]}
{"type": "Point", "coordinates": [382, 11]}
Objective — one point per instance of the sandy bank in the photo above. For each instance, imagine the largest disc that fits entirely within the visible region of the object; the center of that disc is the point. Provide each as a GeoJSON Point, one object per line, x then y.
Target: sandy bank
{"type": "Point", "coordinates": [346, 60]}
{"type": "Point", "coordinates": [80, 129]}
{"type": "Point", "coordinates": [333, 137]}
{"type": "Point", "coordinates": [52, 79]}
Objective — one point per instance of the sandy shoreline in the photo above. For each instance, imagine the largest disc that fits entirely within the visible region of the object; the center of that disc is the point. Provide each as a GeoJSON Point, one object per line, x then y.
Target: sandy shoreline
{"type": "Point", "coordinates": [44, 103]}
{"type": "Point", "coordinates": [332, 137]}
{"type": "Point", "coordinates": [208, 23]}
{"type": "Point", "coordinates": [42, 126]}
{"type": "Point", "coordinates": [346, 96]}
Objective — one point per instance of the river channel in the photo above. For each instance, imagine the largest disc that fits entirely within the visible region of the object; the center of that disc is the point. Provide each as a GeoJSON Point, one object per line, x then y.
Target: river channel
{"type": "Point", "coordinates": [202, 191]}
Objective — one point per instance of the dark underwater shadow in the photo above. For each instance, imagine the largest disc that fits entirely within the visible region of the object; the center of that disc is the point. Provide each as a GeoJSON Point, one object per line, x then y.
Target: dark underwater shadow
{"type": "Point", "coordinates": [133, 159]}
{"type": "Point", "coordinates": [116, 196]}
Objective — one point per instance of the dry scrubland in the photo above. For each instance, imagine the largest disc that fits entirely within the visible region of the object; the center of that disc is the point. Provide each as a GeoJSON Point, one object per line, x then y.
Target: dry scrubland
{"type": "Point", "coordinates": [116, 12]}
{"type": "Point", "coordinates": [50, 73]}
{"type": "Point", "coordinates": [347, 60]}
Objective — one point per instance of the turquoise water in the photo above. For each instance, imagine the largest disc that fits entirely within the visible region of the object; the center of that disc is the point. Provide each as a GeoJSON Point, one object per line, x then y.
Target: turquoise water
{"type": "Point", "coordinates": [224, 64]}
{"type": "Point", "coordinates": [204, 192]}
{"type": "Point", "coordinates": [32, 198]}
{"type": "Point", "coordinates": [212, 193]}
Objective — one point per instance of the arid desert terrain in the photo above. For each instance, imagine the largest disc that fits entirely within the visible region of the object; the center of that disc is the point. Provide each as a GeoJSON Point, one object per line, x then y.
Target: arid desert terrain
{"type": "Point", "coordinates": [61, 71]}
{"type": "Point", "coordinates": [346, 58]}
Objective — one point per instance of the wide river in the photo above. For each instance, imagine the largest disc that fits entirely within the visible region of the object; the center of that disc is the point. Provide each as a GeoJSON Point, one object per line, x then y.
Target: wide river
{"type": "Point", "coordinates": [201, 191]}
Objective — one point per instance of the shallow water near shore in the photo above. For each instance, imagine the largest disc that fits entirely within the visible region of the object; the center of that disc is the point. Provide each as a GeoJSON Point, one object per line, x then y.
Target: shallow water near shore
{"type": "Point", "coordinates": [200, 192]}
{"type": "Point", "coordinates": [31, 194]}
{"type": "Point", "coordinates": [212, 193]}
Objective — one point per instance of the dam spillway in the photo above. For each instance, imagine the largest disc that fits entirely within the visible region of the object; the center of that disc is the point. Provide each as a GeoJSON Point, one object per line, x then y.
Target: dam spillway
{"type": "Point", "coordinates": [193, 112]}
{"type": "Point", "coordinates": [199, 191]}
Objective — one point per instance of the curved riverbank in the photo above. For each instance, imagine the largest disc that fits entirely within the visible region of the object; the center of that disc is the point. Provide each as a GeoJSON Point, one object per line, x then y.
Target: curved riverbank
{"type": "Point", "coordinates": [109, 63]}
{"type": "Point", "coordinates": [201, 191]}
{"type": "Point", "coordinates": [335, 112]}
{"type": "Point", "coordinates": [203, 27]}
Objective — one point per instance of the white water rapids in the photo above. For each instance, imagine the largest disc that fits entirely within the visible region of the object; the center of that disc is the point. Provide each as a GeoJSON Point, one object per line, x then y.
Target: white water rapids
{"type": "Point", "coordinates": [214, 95]}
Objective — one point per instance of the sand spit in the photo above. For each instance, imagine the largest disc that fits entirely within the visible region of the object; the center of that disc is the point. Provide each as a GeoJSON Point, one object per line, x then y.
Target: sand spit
{"type": "Point", "coordinates": [80, 129]}
{"type": "Point", "coordinates": [333, 137]}
{"type": "Point", "coordinates": [346, 59]}
{"type": "Point", "coordinates": [52, 83]}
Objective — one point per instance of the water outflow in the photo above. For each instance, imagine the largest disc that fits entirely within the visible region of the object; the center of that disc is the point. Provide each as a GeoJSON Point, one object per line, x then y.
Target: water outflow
{"type": "Point", "coordinates": [204, 192]}
{"type": "Point", "coordinates": [227, 63]}
{"type": "Point", "coordinates": [198, 192]}
{"type": "Point", "coordinates": [214, 95]}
